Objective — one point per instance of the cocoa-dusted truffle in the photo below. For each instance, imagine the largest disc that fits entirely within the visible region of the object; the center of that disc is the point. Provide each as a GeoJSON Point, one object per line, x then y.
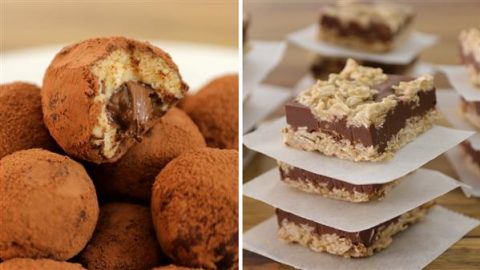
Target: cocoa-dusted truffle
{"type": "Point", "coordinates": [102, 94]}
{"type": "Point", "coordinates": [195, 209]}
{"type": "Point", "coordinates": [132, 176]}
{"type": "Point", "coordinates": [48, 206]}
{"type": "Point", "coordinates": [38, 264]}
{"type": "Point", "coordinates": [215, 111]}
{"type": "Point", "coordinates": [124, 239]}
{"type": "Point", "coordinates": [21, 119]}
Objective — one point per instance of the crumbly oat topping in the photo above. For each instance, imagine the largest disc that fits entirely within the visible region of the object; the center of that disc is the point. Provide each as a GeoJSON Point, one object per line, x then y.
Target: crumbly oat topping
{"type": "Point", "coordinates": [350, 95]}
{"type": "Point", "coordinates": [392, 15]}
{"type": "Point", "coordinates": [470, 42]}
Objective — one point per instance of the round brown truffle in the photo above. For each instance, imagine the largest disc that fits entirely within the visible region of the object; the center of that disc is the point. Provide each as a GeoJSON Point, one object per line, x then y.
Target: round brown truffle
{"type": "Point", "coordinates": [38, 264]}
{"type": "Point", "coordinates": [215, 111]}
{"type": "Point", "coordinates": [195, 209]}
{"type": "Point", "coordinates": [100, 95]}
{"type": "Point", "coordinates": [133, 175]}
{"type": "Point", "coordinates": [48, 206]}
{"type": "Point", "coordinates": [124, 239]}
{"type": "Point", "coordinates": [22, 119]}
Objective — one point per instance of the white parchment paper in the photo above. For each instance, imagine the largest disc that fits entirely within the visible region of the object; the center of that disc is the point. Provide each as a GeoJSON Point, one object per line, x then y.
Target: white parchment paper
{"type": "Point", "coordinates": [268, 140]}
{"type": "Point", "coordinates": [448, 101]}
{"type": "Point", "coordinates": [465, 174]}
{"type": "Point", "coordinates": [414, 190]}
{"type": "Point", "coordinates": [307, 38]}
{"type": "Point", "coordinates": [260, 60]}
{"type": "Point", "coordinates": [411, 249]}
{"type": "Point", "coordinates": [460, 80]}
{"type": "Point", "coordinates": [263, 100]}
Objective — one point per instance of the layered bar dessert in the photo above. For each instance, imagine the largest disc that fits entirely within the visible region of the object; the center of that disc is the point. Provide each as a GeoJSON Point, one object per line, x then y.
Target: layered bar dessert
{"type": "Point", "coordinates": [375, 27]}
{"type": "Point", "coordinates": [330, 187]}
{"type": "Point", "coordinates": [471, 157]}
{"type": "Point", "coordinates": [322, 66]}
{"type": "Point", "coordinates": [322, 238]}
{"type": "Point", "coordinates": [470, 53]}
{"type": "Point", "coordinates": [361, 114]}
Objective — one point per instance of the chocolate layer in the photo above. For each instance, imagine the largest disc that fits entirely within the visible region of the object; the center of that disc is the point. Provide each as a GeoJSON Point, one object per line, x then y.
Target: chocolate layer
{"type": "Point", "coordinates": [474, 154]}
{"type": "Point", "coordinates": [474, 105]}
{"type": "Point", "coordinates": [297, 174]}
{"type": "Point", "coordinates": [365, 237]}
{"type": "Point", "coordinates": [374, 31]}
{"type": "Point", "coordinates": [299, 115]}
{"type": "Point", "coordinates": [133, 108]}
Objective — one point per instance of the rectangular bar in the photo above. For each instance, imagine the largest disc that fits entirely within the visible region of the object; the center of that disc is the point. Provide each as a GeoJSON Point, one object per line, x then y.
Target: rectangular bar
{"type": "Point", "coordinates": [332, 188]}
{"type": "Point", "coordinates": [375, 27]}
{"type": "Point", "coordinates": [321, 238]}
{"type": "Point", "coordinates": [470, 111]}
{"type": "Point", "coordinates": [361, 114]}
{"type": "Point", "coordinates": [470, 53]}
{"type": "Point", "coordinates": [322, 66]}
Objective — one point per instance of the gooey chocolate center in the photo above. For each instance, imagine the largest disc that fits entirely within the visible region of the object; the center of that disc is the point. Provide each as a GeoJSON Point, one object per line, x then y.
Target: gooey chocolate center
{"type": "Point", "coordinates": [133, 108]}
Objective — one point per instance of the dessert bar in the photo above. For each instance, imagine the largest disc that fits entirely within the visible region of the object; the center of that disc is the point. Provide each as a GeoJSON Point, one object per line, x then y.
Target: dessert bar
{"type": "Point", "coordinates": [368, 26]}
{"type": "Point", "coordinates": [361, 113]}
{"type": "Point", "coordinates": [322, 66]}
{"type": "Point", "coordinates": [321, 238]}
{"type": "Point", "coordinates": [470, 110]}
{"type": "Point", "coordinates": [330, 187]}
{"type": "Point", "coordinates": [470, 53]}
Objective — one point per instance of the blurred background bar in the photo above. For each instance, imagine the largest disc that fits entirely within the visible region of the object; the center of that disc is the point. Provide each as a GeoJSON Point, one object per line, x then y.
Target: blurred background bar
{"type": "Point", "coordinates": [36, 23]}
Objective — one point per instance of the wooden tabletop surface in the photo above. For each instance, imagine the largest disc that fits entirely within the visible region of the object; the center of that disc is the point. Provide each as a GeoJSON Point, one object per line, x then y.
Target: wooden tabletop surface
{"type": "Point", "coordinates": [27, 23]}
{"type": "Point", "coordinates": [273, 19]}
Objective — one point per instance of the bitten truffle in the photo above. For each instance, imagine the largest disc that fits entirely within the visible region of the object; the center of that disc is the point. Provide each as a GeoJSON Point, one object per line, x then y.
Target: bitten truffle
{"type": "Point", "coordinates": [215, 111]}
{"type": "Point", "coordinates": [100, 95]}
{"type": "Point", "coordinates": [48, 206]}
{"type": "Point", "coordinates": [195, 209]}
{"type": "Point", "coordinates": [133, 175]}
{"type": "Point", "coordinates": [38, 264]}
{"type": "Point", "coordinates": [124, 239]}
{"type": "Point", "coordinates": [21, 119]}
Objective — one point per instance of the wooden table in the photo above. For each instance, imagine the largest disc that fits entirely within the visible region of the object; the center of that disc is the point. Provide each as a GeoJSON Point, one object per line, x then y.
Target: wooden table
{"type": "Point", "coordinates": [272, 20]}
{"type": "Point", "coordinates": [26, 23]}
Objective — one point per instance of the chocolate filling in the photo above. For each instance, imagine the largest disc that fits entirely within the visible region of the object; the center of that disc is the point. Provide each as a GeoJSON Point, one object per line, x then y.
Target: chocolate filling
{"type": "Point", "coordinates": [373, 32]}
{"type": "Point", "coordinates": [297, 174]}
{"type": "Point", "coordinates": [365, 237]}
{"type": "Point", "coordinates": [474, 154]}
{"type": "Point", "coordinates": [469, 59]}
{"type": "Point", "coordinates": [133, 108]}
{"type": "Point", "coordinates": [299, 115]}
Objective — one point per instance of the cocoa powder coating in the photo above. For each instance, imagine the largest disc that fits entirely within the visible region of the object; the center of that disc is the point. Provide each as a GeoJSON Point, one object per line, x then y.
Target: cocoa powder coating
{"type": "Point", "coordinates": [215, 111]}
{"type": "Point", "coordinates": [22, 119]}
{"type": "Point", "coordinates": [133, 175]}
{"type": "Point", "coordinates": [124, 239]}
{"type": "Point", "coordinates": [195, 209]}
{"type": "Point", "coordinates": [173, 267]}
{"type": "Point", "coordinates": [48, 206]}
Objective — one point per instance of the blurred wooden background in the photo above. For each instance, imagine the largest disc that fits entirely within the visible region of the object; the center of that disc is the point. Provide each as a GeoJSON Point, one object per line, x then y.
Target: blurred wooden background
{"type": "Point", "coordinates": [32, 23]}
{"type": "Point", "coordinates": [274, 19]}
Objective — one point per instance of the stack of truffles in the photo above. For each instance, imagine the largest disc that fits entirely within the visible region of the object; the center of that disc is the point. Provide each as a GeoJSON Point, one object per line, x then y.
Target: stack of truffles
{"type": "Point", "coordinates": [362, 120]}
{"type": "Point", "coordinates": [375, 34]}
{"type": "Point", "coordinates": [100, 170]}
